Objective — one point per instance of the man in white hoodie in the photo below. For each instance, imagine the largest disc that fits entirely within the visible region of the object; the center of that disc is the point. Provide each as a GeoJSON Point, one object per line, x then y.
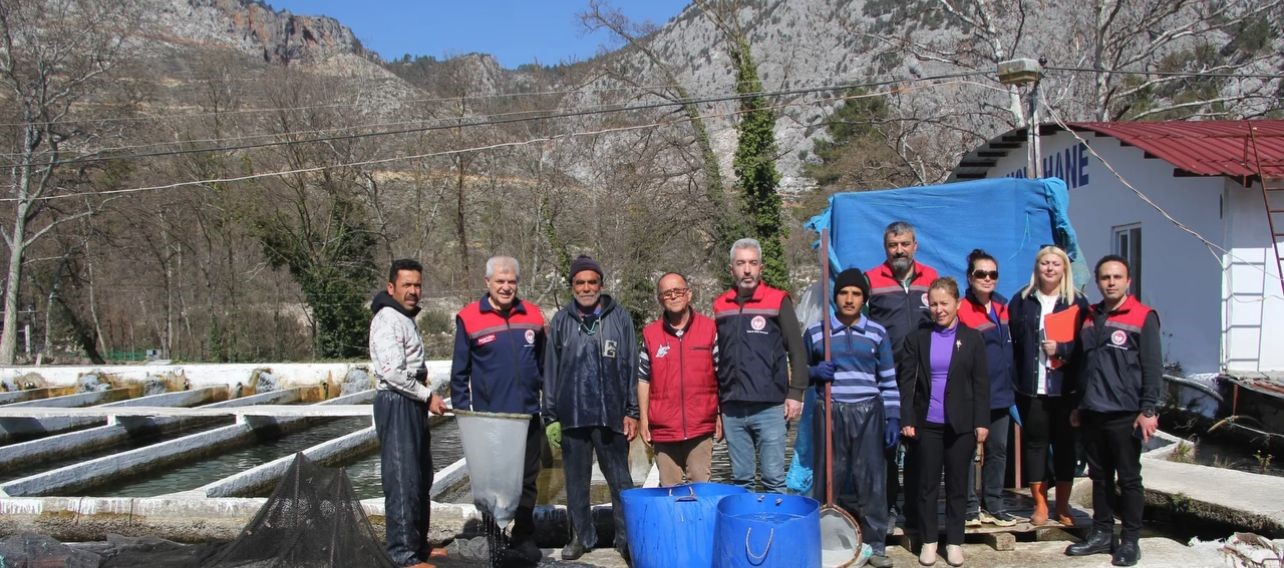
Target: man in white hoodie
{"type": "Point", "coordinates": [401, 410]}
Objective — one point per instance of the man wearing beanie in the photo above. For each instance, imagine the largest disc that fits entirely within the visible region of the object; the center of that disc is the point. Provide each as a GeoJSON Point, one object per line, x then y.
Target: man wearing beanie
{"type": "Point", "coordinates": [866, 413]}
{"type": "Point", "coordinates": [590, 399]}
{"type": "Point", "coordinates": [762, 370]}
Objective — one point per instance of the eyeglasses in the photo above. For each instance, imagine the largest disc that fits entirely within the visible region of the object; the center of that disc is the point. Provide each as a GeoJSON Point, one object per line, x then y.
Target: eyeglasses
{"type": "Point", "coordinates": [983, 274]}
{"type": "Point", "coordinates": [674, 293]}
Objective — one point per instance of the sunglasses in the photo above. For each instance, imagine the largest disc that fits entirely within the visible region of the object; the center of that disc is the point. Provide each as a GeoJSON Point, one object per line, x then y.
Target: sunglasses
{"type": "Point", "coordinates": [983, 274]}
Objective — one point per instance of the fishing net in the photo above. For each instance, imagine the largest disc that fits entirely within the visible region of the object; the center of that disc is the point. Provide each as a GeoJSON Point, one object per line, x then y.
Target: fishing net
{"type": "Point", "coordinates": [313, 518]}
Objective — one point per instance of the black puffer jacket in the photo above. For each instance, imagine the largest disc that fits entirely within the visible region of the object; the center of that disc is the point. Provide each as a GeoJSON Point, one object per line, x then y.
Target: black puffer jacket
{"type": "Point", "coordinates": [590, 368]}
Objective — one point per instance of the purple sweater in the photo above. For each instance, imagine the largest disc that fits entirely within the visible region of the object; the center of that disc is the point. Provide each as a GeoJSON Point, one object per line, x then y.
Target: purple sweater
{"type": "Point", "coordinates": [942, 353]}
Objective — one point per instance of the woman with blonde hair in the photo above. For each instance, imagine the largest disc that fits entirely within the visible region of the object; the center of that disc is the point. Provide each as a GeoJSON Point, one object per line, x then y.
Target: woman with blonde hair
{"type": "Point", "coordinates": [1044, 382]}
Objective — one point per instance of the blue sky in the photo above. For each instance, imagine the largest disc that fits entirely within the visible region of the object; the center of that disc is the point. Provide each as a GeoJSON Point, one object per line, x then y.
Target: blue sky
{"type": "Point", "coordinates": [514, 31]}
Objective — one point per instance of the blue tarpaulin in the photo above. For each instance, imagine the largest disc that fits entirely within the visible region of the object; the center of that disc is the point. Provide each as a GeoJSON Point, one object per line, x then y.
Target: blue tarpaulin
{"type": "Point", "coordinates": [1010, 218]}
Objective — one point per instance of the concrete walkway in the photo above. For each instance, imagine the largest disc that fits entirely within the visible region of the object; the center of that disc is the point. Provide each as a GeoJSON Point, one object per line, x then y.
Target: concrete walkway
{"type": "Point", "coordinates": [1226, 495]}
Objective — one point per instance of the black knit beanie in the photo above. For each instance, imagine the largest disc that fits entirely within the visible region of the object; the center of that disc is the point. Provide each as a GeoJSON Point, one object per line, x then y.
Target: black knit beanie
{"type": "Point", "coordinates": [851, 277]}
{"type": "Point", "coordinates": [582, 263]}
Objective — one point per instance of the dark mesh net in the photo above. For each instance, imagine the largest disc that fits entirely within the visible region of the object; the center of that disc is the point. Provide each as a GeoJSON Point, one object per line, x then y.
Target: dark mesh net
{"type": "Point", "coordinates": [313, 518]}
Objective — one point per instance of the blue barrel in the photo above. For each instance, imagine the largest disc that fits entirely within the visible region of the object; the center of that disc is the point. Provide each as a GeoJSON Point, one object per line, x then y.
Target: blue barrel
{"type": "Point", "coordinates": [673, 526]}
{"type": "Point", "coordinates": [767, 530]}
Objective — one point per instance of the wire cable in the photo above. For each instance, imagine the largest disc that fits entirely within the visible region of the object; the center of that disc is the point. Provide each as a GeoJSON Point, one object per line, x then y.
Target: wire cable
{"type": "Point", "coordinates": [553, 116]}
{"type": "Point", "coordinates": [921, 84]}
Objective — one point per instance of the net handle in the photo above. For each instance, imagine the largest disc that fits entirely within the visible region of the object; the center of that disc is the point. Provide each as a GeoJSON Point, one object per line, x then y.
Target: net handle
{"type": "Point", "coordinates": [824, 318]}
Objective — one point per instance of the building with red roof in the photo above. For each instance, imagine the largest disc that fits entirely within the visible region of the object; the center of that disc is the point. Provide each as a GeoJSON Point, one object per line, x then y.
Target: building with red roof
{"type": "Point", "coordinates": [1184, 202]}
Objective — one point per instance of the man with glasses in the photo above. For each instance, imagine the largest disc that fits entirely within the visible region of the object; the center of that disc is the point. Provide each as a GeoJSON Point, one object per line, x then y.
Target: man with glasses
{"type": "Point", "coordinates": [678, 387]}
{"type": "Point", "coordinates": [590, 399]}
{"type": "Point", "coordinates": [762, 370]}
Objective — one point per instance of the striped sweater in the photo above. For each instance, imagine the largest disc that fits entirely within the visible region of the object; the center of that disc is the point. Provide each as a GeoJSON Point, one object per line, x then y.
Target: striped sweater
{"type": "Point", "coordinates": [862, 356]}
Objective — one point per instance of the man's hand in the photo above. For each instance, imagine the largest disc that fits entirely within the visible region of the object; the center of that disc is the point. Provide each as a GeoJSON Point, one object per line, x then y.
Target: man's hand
{"type": "Point", "coordinates": [823, 372]}
{"type": "Point", "coordinates": [645, 429]}
{"type": "Point", "coordinates": [630, 428]}
{"type": "Point", "coordinates": [717, 429]}
{"type": "Point", "coordinates": [793, 409]}
{"type": "Point", "coordinates": [554, 434]}
{"type": "Point", "coordinates": [1147, 426]}
{"type": "Point", "coordinates": [908, 432]}
{"type": "Point", "coordinates": [982, 434]}
{"type": "Point", "coordinates": [891, 433]}
{"type": "Point", "coordinates": [436, 405]}
{"type": "Point", "coordinates": [1074, 418]}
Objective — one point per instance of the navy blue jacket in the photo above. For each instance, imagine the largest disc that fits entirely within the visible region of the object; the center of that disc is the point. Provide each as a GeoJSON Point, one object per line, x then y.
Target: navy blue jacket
{"type": "Point", "coordinates": [1023, 313]}
{"type": "Point", "coordinates": [590, 368]}
{"type": "Point", "coordinates": [498, 360]}
{"type": "Point", "coordinates": [998, 344]}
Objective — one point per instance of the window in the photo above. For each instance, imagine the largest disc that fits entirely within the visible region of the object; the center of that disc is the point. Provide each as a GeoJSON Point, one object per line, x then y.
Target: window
{"type": "Point", "coordinates": [1127, 243]}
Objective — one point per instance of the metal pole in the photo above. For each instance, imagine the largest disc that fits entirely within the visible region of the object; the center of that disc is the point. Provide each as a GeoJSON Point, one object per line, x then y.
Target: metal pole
{"type": "Point", "coordinates": [1034, 168]}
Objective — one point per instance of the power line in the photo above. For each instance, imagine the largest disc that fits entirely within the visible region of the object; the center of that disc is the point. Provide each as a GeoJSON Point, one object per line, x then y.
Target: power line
{"type": "Point", "coordinates": [568, 114]}
{"type": "Point", "coordinates": [1191, 74]}
{"type": "Point", "coordinates": [920, 83]}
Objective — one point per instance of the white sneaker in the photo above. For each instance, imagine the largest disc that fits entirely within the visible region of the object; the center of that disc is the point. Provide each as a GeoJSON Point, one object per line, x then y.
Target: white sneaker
{"type": "Point", "coordinates": [927, 555]}
{"type": "Point", "coordinates": [954, 555]}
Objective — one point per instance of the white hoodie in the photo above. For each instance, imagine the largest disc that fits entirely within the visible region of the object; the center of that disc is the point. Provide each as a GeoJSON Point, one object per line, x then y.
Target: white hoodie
{"type": "Point", "coordinates": [397, 353]}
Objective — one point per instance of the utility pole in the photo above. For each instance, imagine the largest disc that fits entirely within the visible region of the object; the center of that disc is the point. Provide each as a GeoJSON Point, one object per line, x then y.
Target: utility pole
{"type": "Point", "coordinates": [1027, 72]}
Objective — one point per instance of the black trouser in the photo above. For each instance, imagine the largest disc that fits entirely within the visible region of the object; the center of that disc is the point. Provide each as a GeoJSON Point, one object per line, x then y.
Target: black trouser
{"type": "Point", "coordinates": [1114, 448]}
{"type": "Point", "coordinates": [993, 469]}
{"type": "Point", "coordinates": [859, 464]}
{"type": "Point", "coordinates": [578, 445]}
{"type": "Point", "coordinates": [401, 424]}
{"type": "Point", "coordinates": [940, 446]}
{"type": "Point", "coordinates": [1045, 420]}
{"type": "Point", "coordinates": [524, 522]}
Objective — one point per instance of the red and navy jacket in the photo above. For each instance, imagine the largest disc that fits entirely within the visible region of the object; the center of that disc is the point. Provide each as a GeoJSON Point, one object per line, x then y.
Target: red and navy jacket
{"type": "Point", "coordinates": [753, 352]}
{"type": "Point", "coordinates": [498, 361]}
{"type": "Point", "coordinates": [998, 343]}
{"type": "Point", "coordinates": [898, 308]}
{"type": "Point", "coordinates": [1121, 358]}
{"type": "Point", "coordinates": [680, 366]}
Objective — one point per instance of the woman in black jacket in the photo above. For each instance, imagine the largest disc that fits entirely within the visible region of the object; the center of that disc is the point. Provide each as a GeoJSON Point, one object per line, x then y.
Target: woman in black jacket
{"type": "Point", "coordinates": [1045, 384]}
{"type": "Point", "coordinates": [945, 412]}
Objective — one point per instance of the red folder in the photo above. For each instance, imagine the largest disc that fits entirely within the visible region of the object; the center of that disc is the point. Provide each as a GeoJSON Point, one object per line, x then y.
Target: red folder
{"type": "Point", "coordinates": [1059, 327]}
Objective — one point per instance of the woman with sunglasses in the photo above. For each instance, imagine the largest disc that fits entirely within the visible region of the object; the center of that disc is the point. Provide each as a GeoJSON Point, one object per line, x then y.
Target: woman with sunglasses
{"type": "Point", "coordinates": [1044, 384]}
{"type": "Point", "coordinates": [986, 311]}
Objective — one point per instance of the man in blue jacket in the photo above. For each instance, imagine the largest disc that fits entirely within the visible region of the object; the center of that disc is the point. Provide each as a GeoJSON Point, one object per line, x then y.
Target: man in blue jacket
{"type": "Point", "coordinates": [590, 399]}
{"type": "Point", "coordinates": [497, 367]}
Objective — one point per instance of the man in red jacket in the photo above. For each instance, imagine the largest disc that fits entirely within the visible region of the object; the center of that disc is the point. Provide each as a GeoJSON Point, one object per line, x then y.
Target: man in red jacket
{"type": "Point", "coordinates": [678, 387]}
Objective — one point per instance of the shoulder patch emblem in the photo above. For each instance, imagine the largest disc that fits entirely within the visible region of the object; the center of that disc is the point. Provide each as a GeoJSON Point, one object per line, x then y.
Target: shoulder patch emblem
{"type": "Point", "coordinates": [530, 336]}
{"type": "Point", "coordinates": [758, 323]}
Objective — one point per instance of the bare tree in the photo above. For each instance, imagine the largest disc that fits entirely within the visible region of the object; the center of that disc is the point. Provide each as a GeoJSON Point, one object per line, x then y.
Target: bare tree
{"type": "Point", "coordinates": [53, 55]}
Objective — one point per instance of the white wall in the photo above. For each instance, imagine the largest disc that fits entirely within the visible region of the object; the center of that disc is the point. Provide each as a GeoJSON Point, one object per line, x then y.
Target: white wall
{"type": "Point", "coordinates": [1180, 277]}
{"type": "Point", "coordinates": [1252, 302]}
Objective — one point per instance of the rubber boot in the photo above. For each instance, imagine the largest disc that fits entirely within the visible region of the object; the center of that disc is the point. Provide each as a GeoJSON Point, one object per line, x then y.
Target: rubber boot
{"type": "Point", "coordinates": [1063, 503]}
{"type": "Point", "coordinates": [1039, 491]}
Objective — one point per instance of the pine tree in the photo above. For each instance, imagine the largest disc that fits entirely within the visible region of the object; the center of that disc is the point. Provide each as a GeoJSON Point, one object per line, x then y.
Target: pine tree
{"type": "Point", "coordinates": [755, 168]}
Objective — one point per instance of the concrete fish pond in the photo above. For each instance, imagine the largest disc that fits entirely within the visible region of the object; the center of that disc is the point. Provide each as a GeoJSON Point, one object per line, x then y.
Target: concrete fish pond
{"type": "Point", "coordinates": [189, 454]}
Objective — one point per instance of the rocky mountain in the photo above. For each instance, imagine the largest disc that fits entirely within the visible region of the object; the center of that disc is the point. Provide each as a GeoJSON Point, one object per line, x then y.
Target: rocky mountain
{"type": "Point", "coordinates": [254, 28]}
